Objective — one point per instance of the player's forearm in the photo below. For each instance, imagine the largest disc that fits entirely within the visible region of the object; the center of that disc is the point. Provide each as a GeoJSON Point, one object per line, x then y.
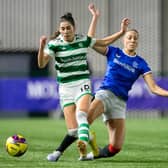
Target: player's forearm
{"type": "Point", "coordinates": [41, 59]}
{"type": "Point", "coordinates": [159, 91]}
{"type": "Point", "coordinates": [109, 39]}
{"type": "Point", "coordinates": [92, 27]}
{"type": "Point", "coordinates": [100, 49]}
{"type": "Point", "coordinates": [154, 88]}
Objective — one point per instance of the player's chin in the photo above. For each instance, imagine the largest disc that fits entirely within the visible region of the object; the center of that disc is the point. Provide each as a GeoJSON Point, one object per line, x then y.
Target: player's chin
{"type": "Point", "coordinates": [68, 38]}
{"type": "Point", "coordinates": [132, 48]}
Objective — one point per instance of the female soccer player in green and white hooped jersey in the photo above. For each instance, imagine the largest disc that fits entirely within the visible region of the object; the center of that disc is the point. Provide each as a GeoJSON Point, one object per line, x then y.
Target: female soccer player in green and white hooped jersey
{"type": "Point", "coordinates": [69, 51]}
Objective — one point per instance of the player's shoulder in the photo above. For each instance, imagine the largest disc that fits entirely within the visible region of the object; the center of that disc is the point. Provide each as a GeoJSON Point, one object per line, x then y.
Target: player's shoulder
{"type": "Point", "coordinates": [141, 61]}
{"type": "Point", "coordinates": [140, 58]}
{"type": "Point", "coordinates": [114, 49]}
{"type": "Point", "coordinates": [80, 37]}
{"type": "Point", "coordinates": [111, 47]}
{"type": "Point", "coordinates": [58, 40]}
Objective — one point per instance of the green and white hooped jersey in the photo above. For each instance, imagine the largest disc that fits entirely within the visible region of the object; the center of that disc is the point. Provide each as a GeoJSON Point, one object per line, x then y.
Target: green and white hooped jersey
{"type": "Point", "coordinates": [70, 57]}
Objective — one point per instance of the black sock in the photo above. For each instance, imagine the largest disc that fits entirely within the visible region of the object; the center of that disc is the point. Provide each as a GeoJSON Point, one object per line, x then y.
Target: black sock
{"type": "Point", "coordinates": [66, 142]}
{"type": "Point", "coordinates": [104, 152]}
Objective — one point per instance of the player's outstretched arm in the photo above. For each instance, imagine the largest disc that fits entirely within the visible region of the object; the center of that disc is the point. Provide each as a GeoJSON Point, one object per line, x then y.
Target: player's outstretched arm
{"type": "Point", "coordinates": [154, 88]}
{"type": "Point", "coordinates": [112, 38]}
{"type": "Point", "coordinates": [43, 59]}
{"type": "Point", "coordinates": [95, 14]}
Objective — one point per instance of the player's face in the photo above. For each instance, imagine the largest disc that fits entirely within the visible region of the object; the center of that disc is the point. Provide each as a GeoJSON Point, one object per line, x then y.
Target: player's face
{"type": "Point", "coordinates": [67, 30]}
{"type": "Point", "coordinates": [130, 41]}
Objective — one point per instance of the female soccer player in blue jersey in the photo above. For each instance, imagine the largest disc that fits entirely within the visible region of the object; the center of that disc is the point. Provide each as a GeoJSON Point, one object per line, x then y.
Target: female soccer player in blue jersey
{"type": "Point", "coordinates": [124, 66]}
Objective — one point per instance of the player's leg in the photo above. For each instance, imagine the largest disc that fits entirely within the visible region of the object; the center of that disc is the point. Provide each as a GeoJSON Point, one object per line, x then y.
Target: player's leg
{"type": "Point", "coordinates": [70, 137]}
{"type": "Point", "coordinates": [95, 110]}
{"type": "Point", "coordinates": [114, 118]}
{"type": "Point", "coordinates": [116, 131]}
{"type": "Point", "coordinates": [83, 126]}
{"type": "Point", "coordinates": [113, 110]}
{"type": "Point", "coordinates": [95, 105]}
{"type": "Point", "coordinates": [70, 120]}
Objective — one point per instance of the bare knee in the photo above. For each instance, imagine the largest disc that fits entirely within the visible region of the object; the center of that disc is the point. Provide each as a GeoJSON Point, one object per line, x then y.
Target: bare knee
{"type": "Point", "coordinates": [94, 112]}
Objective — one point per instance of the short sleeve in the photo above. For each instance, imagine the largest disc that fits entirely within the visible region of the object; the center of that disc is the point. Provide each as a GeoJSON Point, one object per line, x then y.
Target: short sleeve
{"type": "Point", "coordinates": [145, 68]}
{"type": "Point", "coordinates": [110, 51]}
{"type": "Point", "coordinates": [49, 51]}
{"type": "Point", "coordinates": [93, 41]}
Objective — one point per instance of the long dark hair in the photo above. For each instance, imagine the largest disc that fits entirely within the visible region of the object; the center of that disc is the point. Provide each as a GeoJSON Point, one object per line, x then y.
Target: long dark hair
{"type": "Point", "coordinates": [66, 17]}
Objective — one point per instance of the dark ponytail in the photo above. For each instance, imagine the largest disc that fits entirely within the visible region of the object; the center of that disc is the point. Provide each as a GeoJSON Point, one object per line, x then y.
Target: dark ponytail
{"type": "Point", "coordinates": [68, 17]}
{"type": "Point", "coordinates": [55, 34]}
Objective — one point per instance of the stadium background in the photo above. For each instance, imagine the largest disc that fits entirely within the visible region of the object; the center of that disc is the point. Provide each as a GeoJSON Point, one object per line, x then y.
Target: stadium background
{"type": "Point", "coordinates": [22, 23]}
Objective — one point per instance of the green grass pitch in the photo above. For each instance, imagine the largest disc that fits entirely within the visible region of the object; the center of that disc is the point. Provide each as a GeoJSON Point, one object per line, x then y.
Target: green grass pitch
{"type": "Point", "coordinates": [146, 144]}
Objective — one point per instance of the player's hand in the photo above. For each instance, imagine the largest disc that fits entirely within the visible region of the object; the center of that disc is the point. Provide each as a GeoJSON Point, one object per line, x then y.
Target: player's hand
{"type": "Point", "coordinates": [93, 10]}
{"type": "Point", "coordinates": [43, 40]}
{"type": "Point", "coordinates": [124, 24]}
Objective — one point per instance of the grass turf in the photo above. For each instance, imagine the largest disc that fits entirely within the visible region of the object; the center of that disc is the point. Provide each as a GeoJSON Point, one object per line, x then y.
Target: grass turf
{"type": "Point", "coordinates": [146, 144]}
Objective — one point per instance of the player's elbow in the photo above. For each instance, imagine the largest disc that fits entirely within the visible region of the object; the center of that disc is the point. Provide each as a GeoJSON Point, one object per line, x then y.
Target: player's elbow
{"type": "Point", "coordinates": [41, 65]}
{"type": "Point", "coordinates": [154, 89]}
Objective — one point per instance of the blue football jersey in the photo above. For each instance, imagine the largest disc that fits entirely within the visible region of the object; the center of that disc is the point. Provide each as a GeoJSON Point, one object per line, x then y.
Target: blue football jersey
{"type": "Point", "coordinates": [122, 71]}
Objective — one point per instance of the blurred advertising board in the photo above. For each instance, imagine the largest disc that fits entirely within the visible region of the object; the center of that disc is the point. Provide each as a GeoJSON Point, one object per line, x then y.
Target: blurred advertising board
{"type": "Point", "coordinates": [41, 94]}
{"type": "Point", "coordinates": [28, 94]}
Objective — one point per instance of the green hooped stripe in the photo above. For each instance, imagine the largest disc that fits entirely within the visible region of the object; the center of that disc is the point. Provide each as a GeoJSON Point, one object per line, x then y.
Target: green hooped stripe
{"type": "Point", "coordinates": [77, 57]}
{"type": "Point", "coordinates": [79, 44]}
{"type": "Point", "coordinates": [72, 78]}
{"type": "Point", "coordinates": [68, 104]}
{"type": "Point", "coordinates": [84, 125]}
{"type": "Point", "coordinates": [83, 132]}
{"type": "Point", "coordinates": [84, 139]}
{"type": "Point", "coordinates": [72, 68]}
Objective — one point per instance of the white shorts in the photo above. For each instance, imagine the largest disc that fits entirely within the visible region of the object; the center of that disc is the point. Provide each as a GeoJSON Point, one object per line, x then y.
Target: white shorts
{"type": "Point", "coordinates": [114, 107]}
{"type": "Point", "coordinates": [72, 91]}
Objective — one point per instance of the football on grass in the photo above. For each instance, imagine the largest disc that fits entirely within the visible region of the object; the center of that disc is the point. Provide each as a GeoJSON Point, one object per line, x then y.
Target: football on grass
{"type": "Point", "coordinates": [16, 145]}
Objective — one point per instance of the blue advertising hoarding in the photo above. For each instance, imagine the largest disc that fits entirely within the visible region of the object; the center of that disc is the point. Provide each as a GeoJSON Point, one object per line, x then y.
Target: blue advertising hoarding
{"type": "Point", "coordinates": [41, 94]}
{"type": "Point", "coordinates": [28, 94]}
